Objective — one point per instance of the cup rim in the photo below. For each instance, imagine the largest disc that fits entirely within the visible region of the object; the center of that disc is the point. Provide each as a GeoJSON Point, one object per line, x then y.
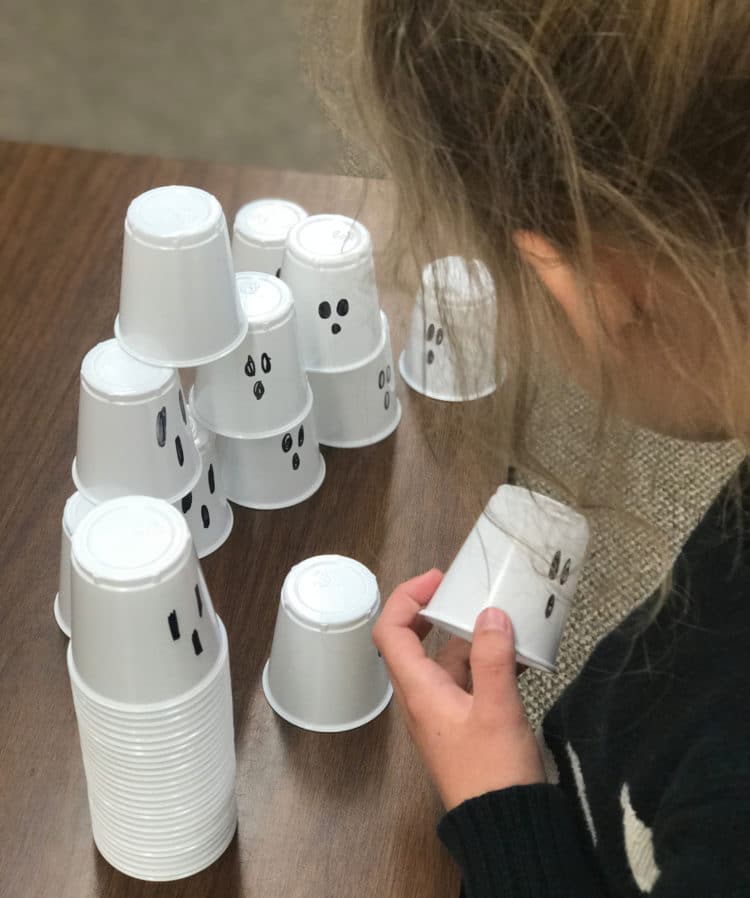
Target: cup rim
{"type": "Point", "coordinates": [87, 494]}
{"type": "Point", "coordinates": [57, 611]}
{"type": "Point", "coordinates": [255, 434]}
{"type": "Point", "coordinates": [418, 387]}
{"type": "Point", "coordinates": [287, 503]}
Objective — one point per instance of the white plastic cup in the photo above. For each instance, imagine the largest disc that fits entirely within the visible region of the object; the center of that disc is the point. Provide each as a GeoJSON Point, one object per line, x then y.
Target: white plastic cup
{"type": "Point", "coordinates": [206, 510]}
{"type": "Point", "coordinates": [260, 232]}
{"type": "Point", "coordinates": [133, 432]}
{"type": "Point", "coordinates": [430, 363]}
{"type": "Point", "coordinates": [324, 673]}
{"type": "Point", "coordinates": [261, 386]}
{"type": "Point", "coordinates": [358, 405]}
{"type": "Point", "coordinates": [76, 509]}
{"type": "Point", "coordinates": [144, 628]}
{"type": "Point", "coordinates": [329, 267]}
{"type": "Point", "coordinates": [276, 471]}
{"type": "Point", "coordinates": [178, 299]}
{"type": "Point", "coordinates": [524, 555]}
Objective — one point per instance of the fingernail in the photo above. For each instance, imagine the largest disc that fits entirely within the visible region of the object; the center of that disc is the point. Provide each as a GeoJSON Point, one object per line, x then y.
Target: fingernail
{"type": "Point", "coordinates": [494, 619]}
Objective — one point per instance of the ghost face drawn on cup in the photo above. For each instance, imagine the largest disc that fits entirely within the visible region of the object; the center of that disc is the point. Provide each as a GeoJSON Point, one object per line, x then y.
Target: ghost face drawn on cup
{"type": "Point", "coordinates": [251, 371]}
{"type": "Point", "coordinates": [554, 569]}
{"type": "Point", "coordinates": [176, 632]}
{"type": "Point", "coordinates": [433, 339]}
{"type": "Point", "coordinates": [334, 314]}
{"type": "Point", "coordinates": [287, 445]}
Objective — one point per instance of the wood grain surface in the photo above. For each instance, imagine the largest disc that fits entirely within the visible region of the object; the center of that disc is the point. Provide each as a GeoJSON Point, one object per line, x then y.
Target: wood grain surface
{"type": "Point", "coordinates": [340, 816]}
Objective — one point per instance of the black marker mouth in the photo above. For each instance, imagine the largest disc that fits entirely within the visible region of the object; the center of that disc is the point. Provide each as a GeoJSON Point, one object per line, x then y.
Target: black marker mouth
{"type": "Point", "coordinates": [335, 328]}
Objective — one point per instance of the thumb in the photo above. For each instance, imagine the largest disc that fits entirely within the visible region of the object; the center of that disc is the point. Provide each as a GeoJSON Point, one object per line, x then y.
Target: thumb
{"type": "Point", "coordinates": [493, 663]}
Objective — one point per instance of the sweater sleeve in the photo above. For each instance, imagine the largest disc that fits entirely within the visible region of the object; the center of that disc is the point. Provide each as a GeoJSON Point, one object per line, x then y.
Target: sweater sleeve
{"type": "Point", "coordinates": [520, 842]}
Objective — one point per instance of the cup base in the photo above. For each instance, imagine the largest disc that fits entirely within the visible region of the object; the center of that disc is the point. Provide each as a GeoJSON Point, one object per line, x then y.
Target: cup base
{"type": "Point", "coordinates": [287, 503]}
{"type": "Point", "coordinates": [522, 655]}
{"type": "Point", "coordinates": [220, 540]}
{"type": "Point", "coordinates": [179, 363]}
{"type": "Point", "coordinates": [414, 384]}
{"type": "Point", "coordinates": [367, 441]}
{"type": "Point", "coordinates": [58, 616]}
{"type": "Point", "coordinates": [323, 728]}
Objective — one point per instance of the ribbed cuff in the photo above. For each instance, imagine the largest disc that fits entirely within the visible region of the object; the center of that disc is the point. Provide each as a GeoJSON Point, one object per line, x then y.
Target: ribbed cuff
{"type": "Point", "coordinates": [521, 842]}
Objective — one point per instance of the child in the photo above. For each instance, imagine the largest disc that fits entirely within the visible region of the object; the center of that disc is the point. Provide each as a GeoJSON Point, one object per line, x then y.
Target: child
{"type": "Point", "coordinates": [595, 154]}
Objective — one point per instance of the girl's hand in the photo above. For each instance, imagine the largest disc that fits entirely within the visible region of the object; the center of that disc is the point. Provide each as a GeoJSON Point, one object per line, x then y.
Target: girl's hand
{"type": "Point", "coordinates": [472, 743]}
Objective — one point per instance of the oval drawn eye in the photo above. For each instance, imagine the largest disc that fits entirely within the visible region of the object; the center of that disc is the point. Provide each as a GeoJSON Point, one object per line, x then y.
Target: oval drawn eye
{"type": "Point", "coordinates": [211, 480]}
{"type": "Point", "coordinates": [381, 379]}
{"type": "Point", "coordinates": [287, 442]}
{"type": "Point", "coordinates": [178, 449]}
{"type": "Point", "coordinates": [439, 336]}
{"type": "Point", "coordinates": [565, 573]}
{"type": "Point", "coordinates": [324, 310]}
{"type": "Point", "coordinates": [250, 367]}
{"type": "Point", "coordinates": [278, 272]}
{"type": "Point", "coordinates": [265, 363]}
{"type": "Point", "coordinates": [430, 331]}
{"type": "Point", "coordinates": [301, 437]}
{"type": "Point", "coordinates": [161, 427]}
{"type": "Point", "coordinates": [182, 407]}
{"type": "Point", "coordinates": [555, 565]}
{"type": "Point", "coordinates": [187, 502]}
{"type": "Point", "coordinates": [342, 307]}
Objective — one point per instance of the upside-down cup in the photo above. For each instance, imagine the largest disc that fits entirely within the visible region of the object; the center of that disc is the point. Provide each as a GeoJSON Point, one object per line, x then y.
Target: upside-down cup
{"type": "Point", "coordinates": [450, 348]}
{"type": "Point", "coordinates": [276, 471]}
{"type": "Point", "coordinates": [329, 267]}
{"type": "Point", "coordinates": [261, 386]}
{"type": "Point", "coordinates": [76, 509]}
{"type": "Point", "coordinates": [133, 432]}
{"type": "Point", "coordinates": [144, 628]}
{"type": "Point", "coordinates": [260, 232]}
{"type": "Point", "coordinates": [358, 405]}
{"type": "Point", "coordinates": [524, 555]}
{"type": "Point", "coordinates": [178, 298]}
{"type": "Point", "coordinates": [206, 510]}
{"type": "Point", "coordinates": [324, 673]}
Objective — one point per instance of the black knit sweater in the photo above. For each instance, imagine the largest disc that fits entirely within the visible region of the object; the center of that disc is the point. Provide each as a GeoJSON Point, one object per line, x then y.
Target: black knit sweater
{"type": "Point", "coordinates": [647, 754]}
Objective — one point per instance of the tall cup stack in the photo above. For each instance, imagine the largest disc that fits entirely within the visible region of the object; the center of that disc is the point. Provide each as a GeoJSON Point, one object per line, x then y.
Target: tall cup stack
{"type": "Point", "coordinates": [346, 345]}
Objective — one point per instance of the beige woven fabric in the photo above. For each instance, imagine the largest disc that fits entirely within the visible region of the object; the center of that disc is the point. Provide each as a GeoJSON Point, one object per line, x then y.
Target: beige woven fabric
{"type": "Point", "coordinates": [666, 485]}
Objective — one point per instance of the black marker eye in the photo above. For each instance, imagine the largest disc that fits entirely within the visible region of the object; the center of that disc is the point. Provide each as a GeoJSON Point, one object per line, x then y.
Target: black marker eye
{"type": "Point", "coordinates": [161, 427]}
{"type": "Point", "coordinates": [342, 307]}
{"type": "Point", "coordinates": [295, 462]}
{"type": "Point", "coordinates": [439, 336]}
{"type": "Point", "coordinates": [278, 272]}
{"type": "Point", "coordinates": [550, 606]}
{"type": "Point", "coordinates": [287, 442]}
{"type": "Point", "coordinates": [265, 363]}
{"type": "Point", "coordinates": [430, 331]}
{"type": "Point", "coordinates": [301, 437]}
{"type": "Point", "coordinates": [388, 373]}
{"type": "Point", "coordinates": [324, 310]}
{"type": "Point", "coordinates": [211, 480]}
{"type": "Point", "coordinates": [182, 407]}
{"type": "Point", "coordinates": [258, 390]}
{"type": "Point", "coordinates": [250, 367]}
{"type": "Point", "coordinates": [555, 565]}
{"type": "Point", "coordinates": [565, 572]}
{"type": "Point", "coordinates": [430, 357]}
{"type": "Point", "coordinates": [199, 600]}
{"type": "Point", "coordinates": [174, 627]}
{"type": "Point", "coordinates": [180, 453]}
{"type": "Point", "coordinates": [387, 400]}
{"type": "Point", "coordinates": [381, 379]}
{"type": "Point", "coordinates": [205, 517]}
{"type": "Point", "coordinates": [197, 647]}
{"type": "Point", "coordinates": [187, 502]}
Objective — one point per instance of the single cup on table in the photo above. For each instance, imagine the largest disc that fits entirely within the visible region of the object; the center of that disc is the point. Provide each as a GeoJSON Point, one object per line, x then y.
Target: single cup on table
{"type": "Point", "coordinates": [149, 669]}
{"type": "Point", "coordinates": [524, 555]}
{"type": "Point", "coordinates": [178, 299]}
{"type": "Point", "coordinates": [76, 509]}
{"type": "Point", "coordinates": [260, 231]}
{"type": "Point", "coordinates": [324, 673]}
{"type": "Point", "coordinates": [450, 348]}
{"type": "Point", "coordinates": [133, 431]}
{"type": "Point", "coordinates": [207, 512]}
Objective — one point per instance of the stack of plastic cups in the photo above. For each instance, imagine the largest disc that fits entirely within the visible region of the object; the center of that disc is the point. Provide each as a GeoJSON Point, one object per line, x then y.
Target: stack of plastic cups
{"type": "Point", "coordinates": [207, 512]}
{"type": "Point", "coordinates": [149, 670]}
{"type": "Point", "coordinates": [456, 305]}
{"type": "Point", "coordinates": [260, 232]}
{"type": "Point", "coordinates": [345, 336]}
{"type": "Point", "coordinates": [76, 509]}
{"type": "Point", "coordinates": [259, 404]}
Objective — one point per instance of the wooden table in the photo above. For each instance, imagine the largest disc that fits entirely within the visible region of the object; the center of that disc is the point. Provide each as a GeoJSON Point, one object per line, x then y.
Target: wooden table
{"type": "Point", "coordinates": [334, 816]}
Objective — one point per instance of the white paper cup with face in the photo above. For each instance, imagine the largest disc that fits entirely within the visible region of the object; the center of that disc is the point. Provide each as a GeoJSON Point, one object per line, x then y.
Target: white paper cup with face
{"type": "Point", "coordinates": [450, 348]}
{"type": "Point", "coordinates": [144, 628]}
{"type": "Point", "coordinates": [275, 471]}
{"type": "Point", "coordinates": [261, 386]}
{"type": "Point", "coordinates": [178, 298]}
{"type": "Point", "coordinates": [260, 232]}
{"type": "Point", "coordinates": [329, 267]}
{"type": "Point", "coordinates": [358, 405]}
{"type": "Point", "coordinates": [76, 509]}
{"type": "Point", "coordinates": [324, 673]}
{"type": "Point", "coordinates": [524, 555]}
{"type": "Point", "coordinates": [206, 510]}
{"type": "Point", "coordinates": [133, 432]}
